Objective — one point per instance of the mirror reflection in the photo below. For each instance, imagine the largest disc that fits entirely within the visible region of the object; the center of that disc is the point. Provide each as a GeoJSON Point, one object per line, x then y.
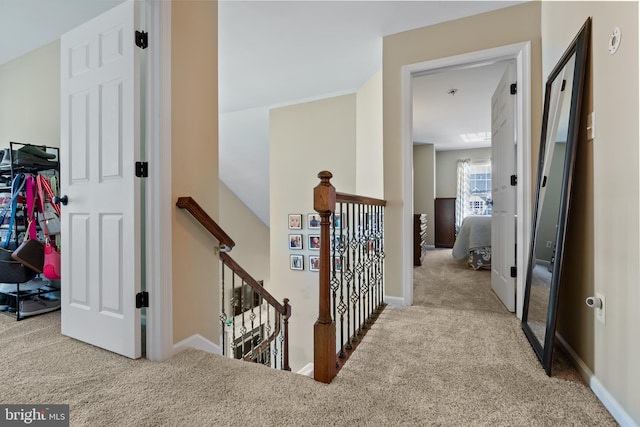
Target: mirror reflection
{"type": "Point", "coordinates": [549, 201]}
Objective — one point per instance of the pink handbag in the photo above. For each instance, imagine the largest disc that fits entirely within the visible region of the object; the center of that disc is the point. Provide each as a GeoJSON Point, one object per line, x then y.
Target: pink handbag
{"type": "Point", "coordinates": [51, 267]}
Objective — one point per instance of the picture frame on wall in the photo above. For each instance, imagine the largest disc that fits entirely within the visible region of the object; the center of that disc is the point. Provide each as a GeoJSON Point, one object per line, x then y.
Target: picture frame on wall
{"type": "Point", "coordinates": [296, 262]}
{"type": "Point", "coordinates": [314, 242]}
{"type": "Point", "coordinates": [313, 221]}
{"type": "Point", "coordinates": [337, 263]}
{"type": "Point", "coordinates": [295, 241]}
{"type": "Point", "coordinates": [295, 221]}
{"type": "Point", "coordinates": [338, 241]}
{"type": "Point", "coordinates": [314, 263]}
{"type": "Point", "coordinates": [337, 221]}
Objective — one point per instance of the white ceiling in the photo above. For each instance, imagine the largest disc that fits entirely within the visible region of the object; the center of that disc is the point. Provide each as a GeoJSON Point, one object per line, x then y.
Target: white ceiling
{"type": "Point", "coordinates": [26, 25]}
{"type": "Point", "coordinates": [270, 53]}
{"type": "Point", "coordinates": [455, 121]}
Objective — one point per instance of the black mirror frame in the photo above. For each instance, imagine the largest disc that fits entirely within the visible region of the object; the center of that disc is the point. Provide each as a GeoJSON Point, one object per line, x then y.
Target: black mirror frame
{"type": "Point", "coordinates": [580, 47]}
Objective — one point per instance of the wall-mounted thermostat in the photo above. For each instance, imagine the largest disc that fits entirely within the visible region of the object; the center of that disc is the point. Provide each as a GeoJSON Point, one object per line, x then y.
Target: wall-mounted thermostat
{"type": "Point", "coordinates": [614, 40]}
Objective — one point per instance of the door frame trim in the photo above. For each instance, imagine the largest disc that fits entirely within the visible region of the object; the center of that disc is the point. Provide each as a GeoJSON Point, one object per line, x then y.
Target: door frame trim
{"type": "Point", "coordinates": [159, 314]}
{"type": "Point", "coordinates": [521, 53]}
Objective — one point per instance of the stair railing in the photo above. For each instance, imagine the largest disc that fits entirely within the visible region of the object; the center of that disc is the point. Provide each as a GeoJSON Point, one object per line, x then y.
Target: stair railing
{"type": "Point", "coordinates": [255, 326]}
{"type": "Point", "coordinates": [351, 274]}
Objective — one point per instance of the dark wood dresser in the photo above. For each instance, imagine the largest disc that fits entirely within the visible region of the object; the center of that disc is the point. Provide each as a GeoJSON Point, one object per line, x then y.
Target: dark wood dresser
{"type": "Point", "coordinates": [445, 222]}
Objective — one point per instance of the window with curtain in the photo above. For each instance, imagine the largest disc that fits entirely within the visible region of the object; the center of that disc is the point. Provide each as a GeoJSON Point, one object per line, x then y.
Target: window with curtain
{"type": "Point", "coordinates": [473, 194]}
{"type": "Point", "coordinates": [480, 188]}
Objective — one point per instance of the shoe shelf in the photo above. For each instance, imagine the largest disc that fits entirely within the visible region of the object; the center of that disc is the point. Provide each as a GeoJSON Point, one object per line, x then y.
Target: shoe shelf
{"type": "Point", "coordinates": [31, 301]}
{"type": "Point", "coordinates": [38, 295]}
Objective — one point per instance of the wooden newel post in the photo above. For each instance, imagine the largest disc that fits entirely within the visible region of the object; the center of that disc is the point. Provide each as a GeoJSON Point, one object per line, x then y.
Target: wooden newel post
{"type": "Point", "coordinates": [324, 330]}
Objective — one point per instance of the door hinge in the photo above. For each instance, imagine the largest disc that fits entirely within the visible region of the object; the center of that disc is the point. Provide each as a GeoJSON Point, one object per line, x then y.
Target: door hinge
{"type": "Point", "coordinates": [142, 299]}
{"type": "Point", "coordinates": [544, 181]}
{"type": "Point", "coordinates": [514, 88]}
{"type": "Point", "coordinates": [142, 39]}
{"type": "Point", "coordinates": [142, 169]}
{"type": "Point", "coordinates": [514, 180]}
{"type": "Point", "coordinates": [514, 272]}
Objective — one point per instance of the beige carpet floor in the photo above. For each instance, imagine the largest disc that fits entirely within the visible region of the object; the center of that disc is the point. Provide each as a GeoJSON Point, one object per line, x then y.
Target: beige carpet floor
{"type": "Point", "coordinates": [443, 281]}
{"type": "Point", "coordinates": [416, 366]}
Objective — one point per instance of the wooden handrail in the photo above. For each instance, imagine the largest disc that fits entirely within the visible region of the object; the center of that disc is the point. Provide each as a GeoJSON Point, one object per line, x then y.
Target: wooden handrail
{"type": "Point", "coordinates": [283, 311]}
{"type": "Point", "coordinates": [363, 200]}
{"type": "Point", "coordinates": [253, 283]}
{"type": "Point", "coordinates": [207, 222]}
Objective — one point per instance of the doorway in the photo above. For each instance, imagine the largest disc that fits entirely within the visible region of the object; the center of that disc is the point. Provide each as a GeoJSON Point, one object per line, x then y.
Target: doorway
{"type": "Point", "coordinates": [520, 53]}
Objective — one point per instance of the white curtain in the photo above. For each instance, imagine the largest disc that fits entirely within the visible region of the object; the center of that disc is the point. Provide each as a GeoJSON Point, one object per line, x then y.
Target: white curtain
{"type": "Point", "coordinates": [463, 191]}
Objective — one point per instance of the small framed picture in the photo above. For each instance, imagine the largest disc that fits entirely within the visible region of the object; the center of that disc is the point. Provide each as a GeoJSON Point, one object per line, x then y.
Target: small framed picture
{"type": "Point", "coordinates": [295, 241]}
{"type": "Point", "coordinates": [313, 220]}
{"type": "Point", "coordinates": [337, 220]}
{"type": "Point", "coordinates": [314, 242]}
{"type": "Point", "coordinates": [314, 263]}
{"type": "Point", "coordinates": [296, 262]}
{"type": "Point", "coordinates": [295, 221]}
{"type": "Point", "coordinates": [337, 263]}
{"type": "Point", "coordinates": [338, 241]}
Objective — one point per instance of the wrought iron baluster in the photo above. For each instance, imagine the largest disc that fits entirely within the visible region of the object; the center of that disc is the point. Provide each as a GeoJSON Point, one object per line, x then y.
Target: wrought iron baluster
{"type": "Point", "coordinates": [340, 267]}
{"type": "Point", "coordinates": [281, 339]}
{"type": "Point", "coordinates": [332, 254]}
{"type": "Point", "coordinates": [252, 317]}
{"type": "Point", "coordinates": [347, 272]}
{"type": "Point", "coordinates": [243, 328]}
{"type": "Point", "coordinates": [268, 333]}
{"type": "Point", "coordinates": [233, 309]}
{"type": "Point", "coordinates": [223, 315]}
{"type": "Point", "coordinates": [368, 264]}
{"type": "Point", "coordinates": [261, 331]}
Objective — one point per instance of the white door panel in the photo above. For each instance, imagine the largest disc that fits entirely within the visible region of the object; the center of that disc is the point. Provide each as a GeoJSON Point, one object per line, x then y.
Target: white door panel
{"type": "Point", "coordinates": [503, 219]}
{"type": "Point", "coordinates": [99, 146]}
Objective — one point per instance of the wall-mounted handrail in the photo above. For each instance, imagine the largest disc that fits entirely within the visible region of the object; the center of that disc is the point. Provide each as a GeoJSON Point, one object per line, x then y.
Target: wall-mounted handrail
{"type": "Point", "coordinates": [207, 222]}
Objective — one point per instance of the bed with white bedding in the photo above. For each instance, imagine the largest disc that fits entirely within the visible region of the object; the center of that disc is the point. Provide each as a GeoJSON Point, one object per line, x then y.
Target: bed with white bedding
{"type": "Point", "coordinates": [474, 241]}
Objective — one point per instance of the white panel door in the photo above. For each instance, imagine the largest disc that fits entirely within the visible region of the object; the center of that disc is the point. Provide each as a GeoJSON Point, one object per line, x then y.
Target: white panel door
{"type": "Point", "coordinates": [99, 144]}
{"type": "Point", "coordinates": [503, 219]}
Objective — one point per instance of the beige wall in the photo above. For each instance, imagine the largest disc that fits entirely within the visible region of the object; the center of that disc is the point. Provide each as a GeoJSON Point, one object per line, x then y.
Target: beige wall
{"type": "Point", "coordinates": [424, 185]}
{"type": "Point", "coordinates": [30, 98]}
{"type": "Point", "coordinates": [603, 235]}
{"type": "Point", "coordinates": [499, 28]}
{"type": "Point", "coordinates": [247, 231]}
{"type": "Point", "coordinates": [447, 168]}
{"type": "Point", "coordinates": [369, 163]}
{"type": "Point", "coordinates": [194, 158]}
{"type": "Point", "coordinates": [304, 140]}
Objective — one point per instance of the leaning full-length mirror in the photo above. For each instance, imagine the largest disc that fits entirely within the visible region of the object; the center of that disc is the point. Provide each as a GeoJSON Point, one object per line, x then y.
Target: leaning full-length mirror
{"type": "Point", "coordinates": [560, 128]}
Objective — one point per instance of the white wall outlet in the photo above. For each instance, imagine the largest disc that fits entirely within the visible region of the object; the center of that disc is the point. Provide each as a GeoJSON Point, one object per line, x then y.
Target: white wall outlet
{"type": "Point", "coordinates": [591, 126]}
{"type": "Point", "coordinates": [549, 243]}
{"type": "Point", "coordinates": [600, 312]}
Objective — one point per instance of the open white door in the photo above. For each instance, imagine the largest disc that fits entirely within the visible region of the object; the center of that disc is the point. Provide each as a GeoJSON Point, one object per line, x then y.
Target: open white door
{"type": "Point", "coordinates": [100, 142]}
{"type": "Point", "coordinates": [503, 219]}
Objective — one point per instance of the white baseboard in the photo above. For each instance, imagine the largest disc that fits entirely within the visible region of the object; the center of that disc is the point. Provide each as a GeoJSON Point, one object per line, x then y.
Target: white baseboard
{"type": "Point", "coordinates": [199, 342]}
{"type": "Point", "coordinates": [608, 400]}
{"type": "Point", "coordinates": [306, 370]}
{"type": "Point", "coordinates": [394, 301]}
